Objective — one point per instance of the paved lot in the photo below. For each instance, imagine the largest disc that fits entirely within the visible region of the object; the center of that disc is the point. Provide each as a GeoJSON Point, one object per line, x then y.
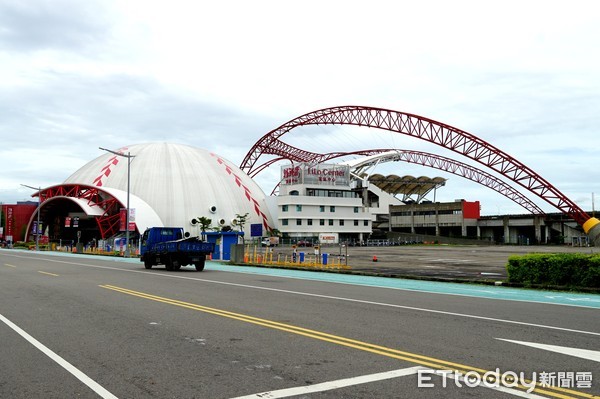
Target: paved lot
{"type": "Point", "coordinates": [439, 261]}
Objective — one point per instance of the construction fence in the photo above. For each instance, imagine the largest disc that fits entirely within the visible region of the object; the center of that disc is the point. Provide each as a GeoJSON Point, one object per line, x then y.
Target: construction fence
{"type": "Point", "coordinates": [316, 260]}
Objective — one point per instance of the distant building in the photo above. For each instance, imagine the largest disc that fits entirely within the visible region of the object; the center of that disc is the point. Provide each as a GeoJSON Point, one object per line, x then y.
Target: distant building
{"type": "Point", "coordinates": [318, 199]}
{"type": "Point", "coordinates": [457, 218]}
{"type": "Point", "coordinates": [14, 220]}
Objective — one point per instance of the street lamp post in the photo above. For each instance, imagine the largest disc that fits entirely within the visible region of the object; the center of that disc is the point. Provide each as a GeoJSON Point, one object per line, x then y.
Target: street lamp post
{"type": "Point", "coordinates": [129, 157]}
{"type": "Point", "coordinates": [37, 232]}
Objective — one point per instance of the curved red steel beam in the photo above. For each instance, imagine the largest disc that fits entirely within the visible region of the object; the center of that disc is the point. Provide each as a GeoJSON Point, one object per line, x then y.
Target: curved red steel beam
{"type": "Point", "coordinates": [108, 223]}
{"type": "Point", "coordinates": [422, 128]}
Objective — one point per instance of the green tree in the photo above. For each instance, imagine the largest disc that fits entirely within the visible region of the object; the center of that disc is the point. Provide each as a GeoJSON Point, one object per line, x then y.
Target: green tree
{"type": "Point", "coordinates": [204, 223]}
{"type": "Point", "coordinates": [240, 221]}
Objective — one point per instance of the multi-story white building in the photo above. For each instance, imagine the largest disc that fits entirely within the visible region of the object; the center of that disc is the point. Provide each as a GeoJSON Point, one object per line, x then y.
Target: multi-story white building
{"type": "Point", "coordinates": [317, 200]}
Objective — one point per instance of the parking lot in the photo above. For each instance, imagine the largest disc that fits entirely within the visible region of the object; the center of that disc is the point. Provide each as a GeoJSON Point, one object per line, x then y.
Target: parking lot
{"type": "Point", "coordinates": [462, 262]}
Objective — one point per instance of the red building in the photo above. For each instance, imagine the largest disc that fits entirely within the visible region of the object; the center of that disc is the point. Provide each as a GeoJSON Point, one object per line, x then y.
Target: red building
{"type": "Point", "coordinates": [15, 219]}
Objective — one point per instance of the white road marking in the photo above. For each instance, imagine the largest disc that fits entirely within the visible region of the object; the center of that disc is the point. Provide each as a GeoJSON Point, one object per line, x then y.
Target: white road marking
{"type": "Point", "coordinates": [343, 298]}
{"type": "Point", "coordinates": [565, 350]}
{"type": "Point", "coordinates": [93, 385]}
{"type": "Point", "coordinates": [327, 386]}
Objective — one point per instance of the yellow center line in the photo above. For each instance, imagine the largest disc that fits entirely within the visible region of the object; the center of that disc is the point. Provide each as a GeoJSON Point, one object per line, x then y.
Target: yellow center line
{"type": "Point", "coordinates": [434, 363]}
{"type": "Point", "coordinates": [49, 274]}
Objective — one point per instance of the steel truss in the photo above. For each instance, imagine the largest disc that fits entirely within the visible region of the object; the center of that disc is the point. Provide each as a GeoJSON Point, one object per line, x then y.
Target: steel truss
{"type": "Point", "coordinates": [416, 126]}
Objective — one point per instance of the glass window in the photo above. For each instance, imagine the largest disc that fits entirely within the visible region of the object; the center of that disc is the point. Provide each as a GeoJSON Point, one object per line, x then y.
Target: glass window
{"type": "Point", "coordinates": [309, 222]}
{"type": "Point", "coordinates": [322, 222]}
{"type": "Point", "coordinates": [298, 222]}
{"type": "Point", "coordinates": [355, 209]}
{"type": "Point", "coordinates": [322, 208]}
{"type": "Point", "coordinates": [356, 222]}
{"type": "Point", "coordinates": [284, 222]}
{"type": "Point", "coordinates": [284, 208]}
{"type": "Point", "coordinates": [332, 208]}
{"type": "Point", "coordinates": [341, 222]}
{"type": "Point", "coordinates": [366, 222]}
{"type": "Point", "coordinates": [298, 208]}
{"type": "Point", "coordinates": [331, 222]}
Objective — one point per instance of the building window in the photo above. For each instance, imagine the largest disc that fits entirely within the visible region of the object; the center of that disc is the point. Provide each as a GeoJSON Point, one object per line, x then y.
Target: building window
{"type": "Point", "coordinates": [284, 222]}
{"type": "Point", "coordinates": [322, 222]}
{"type": "Point", "coordinates": [331, 222]}
{"type": "Point", "coordinates": [366, 222]}
{"type": "Point", "coordinates": [284, 208]}
{"type": "Point", "coordinates": [356, 222]}
{"type": "Point", "coordinates": [332, 208]}
{"type": "Point", "coordinates": [298, 208]}
{"type": "Point", "coordinates": [341, 222]}
{"type": "Point", "coordinates": [294, 192]}
{"type": "Point", "coordinates": [355, 209]}
{"type": "Point", "coordinates": [309, 222]}
{"type": "Point", "coordinates": [322, 208]}
{"type": "Point", "coordinates": [298, 222]}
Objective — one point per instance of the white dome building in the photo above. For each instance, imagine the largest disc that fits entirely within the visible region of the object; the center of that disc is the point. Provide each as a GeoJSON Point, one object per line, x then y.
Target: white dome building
{"type": "Point", "coordinates": [170, 184]}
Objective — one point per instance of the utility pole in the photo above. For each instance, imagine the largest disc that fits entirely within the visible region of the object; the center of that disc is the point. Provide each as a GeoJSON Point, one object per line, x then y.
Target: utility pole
{"type": "Point", "coordinates": [129, 157]}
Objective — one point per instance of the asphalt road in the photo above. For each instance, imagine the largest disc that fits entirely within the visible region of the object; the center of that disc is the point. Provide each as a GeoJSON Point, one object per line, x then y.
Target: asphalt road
{"type": "Point", "coordinates": [90, 327]}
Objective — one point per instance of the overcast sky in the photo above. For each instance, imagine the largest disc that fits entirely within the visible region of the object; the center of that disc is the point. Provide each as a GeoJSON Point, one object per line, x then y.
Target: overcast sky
{"type": "Point", "coordinates": [522, 75]}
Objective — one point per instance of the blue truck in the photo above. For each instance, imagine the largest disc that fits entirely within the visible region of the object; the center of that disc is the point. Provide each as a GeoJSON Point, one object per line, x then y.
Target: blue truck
{"type": "Point", "coordinates": [171, 247]}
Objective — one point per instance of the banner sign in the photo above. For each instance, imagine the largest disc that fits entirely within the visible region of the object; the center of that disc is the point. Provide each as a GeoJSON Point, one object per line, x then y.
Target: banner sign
{"type": "Point", "coordinates": [321, 174]}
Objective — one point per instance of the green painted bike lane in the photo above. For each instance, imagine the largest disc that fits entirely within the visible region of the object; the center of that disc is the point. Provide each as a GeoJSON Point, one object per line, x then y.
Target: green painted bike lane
{"type": "Point", "coordinates": [434, 287]}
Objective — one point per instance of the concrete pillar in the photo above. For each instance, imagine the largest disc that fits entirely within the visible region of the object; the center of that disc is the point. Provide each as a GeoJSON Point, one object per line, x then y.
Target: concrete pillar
{"type": "Point", "coordinates": [506, 230]}
{"type": "Point", "coordinates": [437, 220]}
{"type": "Point", "coordinates": [538, 229]}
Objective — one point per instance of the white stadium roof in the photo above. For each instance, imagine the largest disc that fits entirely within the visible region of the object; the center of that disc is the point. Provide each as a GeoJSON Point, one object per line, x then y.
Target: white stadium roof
{"type": "Point", "coordinates": [177, 183]}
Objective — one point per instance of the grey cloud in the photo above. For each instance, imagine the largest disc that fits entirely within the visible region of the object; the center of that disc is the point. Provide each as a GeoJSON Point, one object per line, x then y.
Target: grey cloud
{"type": "Point", "coordinates": [74, 111]}
{"type": "Point", "coordinates": [57, 24]}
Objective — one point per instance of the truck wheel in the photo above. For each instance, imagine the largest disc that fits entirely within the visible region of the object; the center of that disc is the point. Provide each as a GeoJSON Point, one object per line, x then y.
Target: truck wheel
{"type": "Point", "coordinates": [147, 263]}
{"type": "Point", "coordinates": [169, 265]}
{"type": "Point", "coordinates": [200, 265]}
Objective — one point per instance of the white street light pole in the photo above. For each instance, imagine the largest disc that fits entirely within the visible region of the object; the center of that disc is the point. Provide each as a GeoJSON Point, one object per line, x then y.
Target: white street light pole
{"type": "Point", "coordinates": [128, 156]}
{"type": "Point", "coordinates": [37, 232]}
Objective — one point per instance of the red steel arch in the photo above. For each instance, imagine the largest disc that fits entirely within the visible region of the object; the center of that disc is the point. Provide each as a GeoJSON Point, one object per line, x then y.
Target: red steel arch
{"type": "Point", "coordinates": [108, 223]}
{"type": "Point", "coordinates": [422, 128]}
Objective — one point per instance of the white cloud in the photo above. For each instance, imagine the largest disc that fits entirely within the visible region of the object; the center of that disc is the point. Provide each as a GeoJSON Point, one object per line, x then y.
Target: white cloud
{"type": "Point", "coordinates": [78, 75]}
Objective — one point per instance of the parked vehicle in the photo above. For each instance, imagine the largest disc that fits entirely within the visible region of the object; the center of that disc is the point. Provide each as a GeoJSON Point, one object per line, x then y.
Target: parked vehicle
{"type": "Point", "coordinates": [168, 246]}
{"type": "Point", "coordinates": [270, 242]}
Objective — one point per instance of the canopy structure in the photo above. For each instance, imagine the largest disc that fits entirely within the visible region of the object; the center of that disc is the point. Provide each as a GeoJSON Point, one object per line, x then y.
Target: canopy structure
{"type": "Point", "coordinates": [412, 189]}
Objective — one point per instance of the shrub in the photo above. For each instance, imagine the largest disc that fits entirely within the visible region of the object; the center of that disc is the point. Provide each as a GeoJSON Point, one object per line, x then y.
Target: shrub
{"type": "Point", "coordinates": [571, 270]}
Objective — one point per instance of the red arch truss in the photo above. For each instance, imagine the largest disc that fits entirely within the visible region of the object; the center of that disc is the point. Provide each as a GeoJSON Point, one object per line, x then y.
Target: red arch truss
{"type": "Point", "coordinates": [109, 222]}
{"type": "Point", "coordinates": [419, 127]}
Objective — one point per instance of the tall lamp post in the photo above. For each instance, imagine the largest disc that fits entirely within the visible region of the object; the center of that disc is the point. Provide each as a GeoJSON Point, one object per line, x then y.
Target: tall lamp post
{"type": "Point", "coordinates": [37, 232]}
{"type": "Point", "coordinates": [129, 157]}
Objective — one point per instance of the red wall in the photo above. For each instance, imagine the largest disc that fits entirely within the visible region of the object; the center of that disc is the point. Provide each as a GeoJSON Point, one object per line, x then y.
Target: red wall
{"type": "Point", "coordinates": [471, 210]}
{"type": "Point", "coordinates": [15, 219]}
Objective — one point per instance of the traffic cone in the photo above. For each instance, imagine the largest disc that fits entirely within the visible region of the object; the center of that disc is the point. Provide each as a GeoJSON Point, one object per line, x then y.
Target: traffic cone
{"type": "Point", "coordinates": [374, 258]}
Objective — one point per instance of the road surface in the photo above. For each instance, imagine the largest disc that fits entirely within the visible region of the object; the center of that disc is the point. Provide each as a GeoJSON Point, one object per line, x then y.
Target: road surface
{"type": "Point", "coordinates": [89, 327]}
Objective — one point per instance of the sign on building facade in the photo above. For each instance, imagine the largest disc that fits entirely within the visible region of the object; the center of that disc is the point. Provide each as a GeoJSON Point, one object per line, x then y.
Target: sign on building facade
{"type": "Point", "coordinates": [321, 174]}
